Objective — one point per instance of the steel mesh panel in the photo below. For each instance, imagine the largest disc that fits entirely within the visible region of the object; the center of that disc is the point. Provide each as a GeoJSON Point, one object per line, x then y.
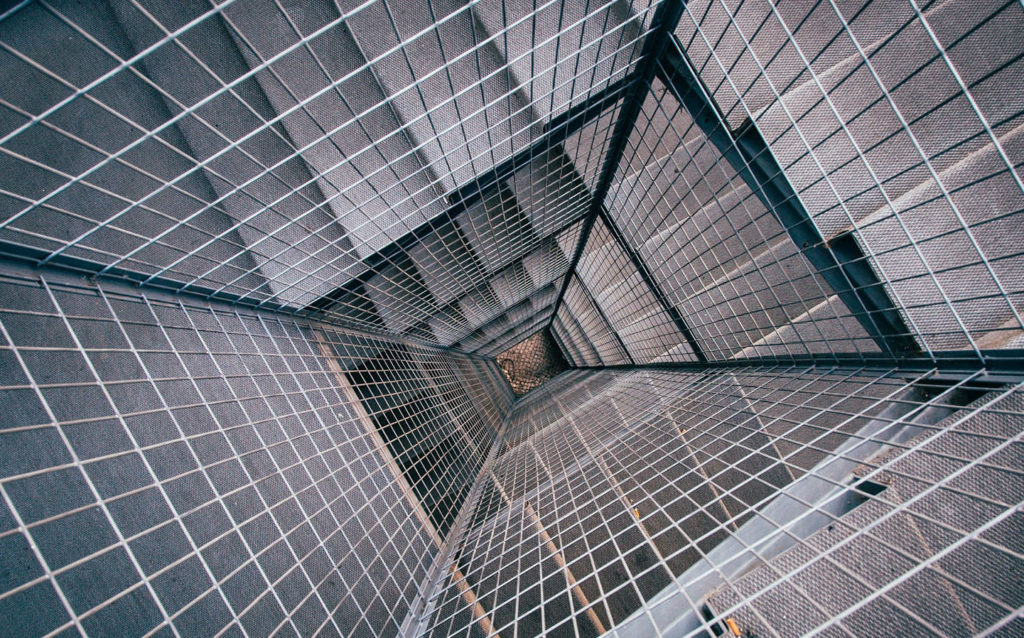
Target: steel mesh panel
{"type": "Point", "coordinates": [531, 362]}
{"type": "Point", "coordinates": [776, 244]}
{"type": "Point", "coordinates": [857, 106]}
{"type": "Point", "coordinates": [593, 330]}
{"type": "Point", "coordinates": [373, 163]}
{"type": "Point", "coordinates": [626, 302]}
{"type": "Point", "coordinates": [654, 490]}
{"type": "Point", "coordinates": [718, 254]}
{"type": "Point", "coordinates": [190, 467]}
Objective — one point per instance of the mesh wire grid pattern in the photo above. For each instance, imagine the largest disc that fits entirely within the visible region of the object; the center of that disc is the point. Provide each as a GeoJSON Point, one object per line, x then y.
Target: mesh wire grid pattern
{"type": "Point", "coordinates": [531, 362]}
{"type": "Point", "coordinates": [191, 467]}
{"type": "Point", "coordinates": [716, 250]}
{"type": "Point", "coordinates": [777, 501]}
{"type": "Point", "coordinates": [855, 106]}
{"type": "Point", "coordinates": [382, 163]}
{"type": "Point", "coordinates": [365, 192]}
{"type": "Point", "coordinates": [891, 126]}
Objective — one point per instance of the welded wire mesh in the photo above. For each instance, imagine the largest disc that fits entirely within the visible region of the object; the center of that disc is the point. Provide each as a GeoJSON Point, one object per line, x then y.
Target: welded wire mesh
{"type": "Point", "coordinates": [892, 133]}
{"type": "Point", "coordinates": [794, 228]}
{"type": "Point", "coordinates": [778, 500]}
{"type": "Point", "coordinates": [532, 362]}
{"type": "Point", "coordinates": [719, 255]}
{"type": "Point", "coordinates": [584, 327]}
{"type": "Point", "coordinates": [172, 465]}
{"type": "Point", "coordinates": [754, 524]}
{"type": "Point", "coordinates": [377, 162]}
{"type": "Point", "coordinates": [626, 303]}
{"type": "Point", "coordinates": [887, 120]}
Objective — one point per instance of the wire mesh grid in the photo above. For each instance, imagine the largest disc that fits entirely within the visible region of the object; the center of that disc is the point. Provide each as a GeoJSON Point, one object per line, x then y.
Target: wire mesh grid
{"type": "Point", "coordinates": [720, 256]}
{"type": "Point", "coordinates": [531, 362]}
{"type": "Point", "coordinates": [775, 501]}
{"type": "Point", "coordinates": [583, 327]}
{"type": "Point", "coordinates": [377, 161]}
{"type": "Point", "coordinates": [803, 252]}
{"type": "Point", "coordinates": [624, 300]}
{"type": "Point", "coordinates": [890, 124]}
{"type": "Point", "coordinates": [192, 468]}
{"type": "Point", "coordinates": [792, 186]}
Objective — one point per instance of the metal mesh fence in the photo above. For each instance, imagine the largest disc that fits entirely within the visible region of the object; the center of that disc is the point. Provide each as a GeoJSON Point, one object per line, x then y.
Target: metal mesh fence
{"type": "Point", "coordinates": [891, 126]}
{"type": "Point", "coordinates": [185, 466]}
{"type": "Point", "coordinates": [765, 502]}
{"type": "Point", "coordinates": [287, 289]}
{"type": "Point", "coordinates": [383, 164]}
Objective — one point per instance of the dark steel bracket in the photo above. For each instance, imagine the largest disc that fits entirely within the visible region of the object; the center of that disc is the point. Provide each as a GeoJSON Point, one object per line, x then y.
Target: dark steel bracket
{"type": "Point", "coordinates": [655, 289]}
{"type": "Point", "coordinates": [664, 21]}
{"type": "Point", "coordinates": [840, 260]}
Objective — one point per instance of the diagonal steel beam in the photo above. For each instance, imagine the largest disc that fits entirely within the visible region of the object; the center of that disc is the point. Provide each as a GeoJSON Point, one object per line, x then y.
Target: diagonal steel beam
{"type": "Point", "coordinates": [839, 259]}
{"type": "Point", "coordinates": [665, 19]}
{"type": "Point", "coordinates": [604, 318]}
{"type": "Point", "coordinates": [659, 294]}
